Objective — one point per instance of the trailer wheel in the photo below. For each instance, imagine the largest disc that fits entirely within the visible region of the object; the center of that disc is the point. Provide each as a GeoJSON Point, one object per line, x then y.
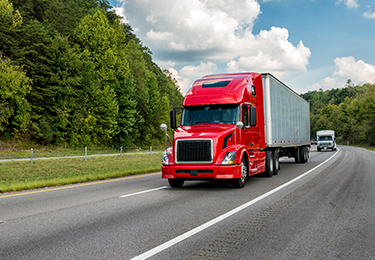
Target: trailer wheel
{"type": "Point", "coordinates": [303, 154]}
{"type": "Point", "coordinates": [240, 182]}
{"type": "Point", "coordinates": [297, 155]}
{"type": "Point", "coordinates": [269, 164]}
{"type": "Point", "coordinates": [276, 164]}
{"type": "Point", "coordinates": [176, 183]}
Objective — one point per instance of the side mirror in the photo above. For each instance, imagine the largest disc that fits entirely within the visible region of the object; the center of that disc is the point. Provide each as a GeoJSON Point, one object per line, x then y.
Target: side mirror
{"type": "Point", "coordinates": [163, 127]}
{"type": "Point", "coordinates": [239, 124]}
{"type": "Point", "coordinates": [172, 116]}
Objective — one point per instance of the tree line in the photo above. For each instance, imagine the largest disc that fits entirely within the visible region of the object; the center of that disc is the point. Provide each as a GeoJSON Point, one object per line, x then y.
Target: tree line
{"type": "Point", "coordinates": [348, 111]}
{"type": "Point", "coordinates": [71, 74]}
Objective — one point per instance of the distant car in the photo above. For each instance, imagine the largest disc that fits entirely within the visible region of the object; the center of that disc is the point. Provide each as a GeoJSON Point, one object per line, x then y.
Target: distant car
{"type": "Point", "coordinates": [313, 141]}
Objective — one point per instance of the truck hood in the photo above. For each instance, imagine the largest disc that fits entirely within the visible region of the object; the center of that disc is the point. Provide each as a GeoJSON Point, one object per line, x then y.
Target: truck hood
{"type": "Point", "coordinates": [203, 131]}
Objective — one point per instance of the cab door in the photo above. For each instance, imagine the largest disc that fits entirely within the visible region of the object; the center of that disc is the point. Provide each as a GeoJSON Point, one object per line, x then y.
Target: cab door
{"type": "Point", "coordinates": [246, 130]}
{"type": "Point", "coordinates": [250, 138]}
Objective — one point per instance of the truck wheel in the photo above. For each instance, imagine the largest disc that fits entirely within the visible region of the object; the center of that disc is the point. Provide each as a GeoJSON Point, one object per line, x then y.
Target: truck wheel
{"type": "Point", "coordinates": [240, 182]}
{"type": "Point", "coordinates": [297, 155]}
{"type": "Point", "coordinates": [303, 154]}
{"type": "Point", "coordinates": [269, 164]}
{"type": "Point", "coordinates": [176, 183]}
{"type": "Point", "coordinates": [276, 162]}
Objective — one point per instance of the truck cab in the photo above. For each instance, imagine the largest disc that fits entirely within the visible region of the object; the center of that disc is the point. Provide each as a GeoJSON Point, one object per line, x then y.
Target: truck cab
{"type": "Point", "coordinates": [218, 137]}
{"type": "Point", "coordinates": [326, 140]}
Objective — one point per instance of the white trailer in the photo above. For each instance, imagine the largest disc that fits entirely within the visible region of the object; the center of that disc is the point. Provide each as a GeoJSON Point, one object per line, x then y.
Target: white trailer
{"type": "Point", "coordinates": [287, 120]}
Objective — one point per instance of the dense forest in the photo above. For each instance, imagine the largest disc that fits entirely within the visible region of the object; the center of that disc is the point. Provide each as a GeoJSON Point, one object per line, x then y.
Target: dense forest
{"type": "Point", "coordinates": [350, 111]}
{"type": "Point", "coordinates": [72, 75]}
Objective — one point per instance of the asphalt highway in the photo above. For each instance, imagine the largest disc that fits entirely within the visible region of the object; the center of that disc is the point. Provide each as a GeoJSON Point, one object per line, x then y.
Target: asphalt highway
{"type": "Point", "coordinates": [319, 210]}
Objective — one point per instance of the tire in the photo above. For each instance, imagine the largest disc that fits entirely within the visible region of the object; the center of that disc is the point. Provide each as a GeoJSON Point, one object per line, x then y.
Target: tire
{"type": "Point", "coordinates": [269, 164]}
{"type": "Point", "coordinates": [297, 155]}
{"type": "Point", "coordinates": [303, 154]}
{"type": "Point", "coordinates": [240, 182]}
{"type": "Point", "coordinates": [276, 163]}
{"type": "Point", "coordinates": [176, 183]}
{"type": "Point", "coordinates": [318, 149]}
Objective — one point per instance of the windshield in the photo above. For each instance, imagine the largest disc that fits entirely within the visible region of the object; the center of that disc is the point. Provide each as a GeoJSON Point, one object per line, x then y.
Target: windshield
{"type": "Point", "coordinates": [210, 114]}
{"type": "Point", "coordinates": [325, 138]}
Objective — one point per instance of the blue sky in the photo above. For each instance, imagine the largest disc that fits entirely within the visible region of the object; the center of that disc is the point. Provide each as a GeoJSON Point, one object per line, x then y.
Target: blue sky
{"type": "Point", "coordinates": [308, 44]}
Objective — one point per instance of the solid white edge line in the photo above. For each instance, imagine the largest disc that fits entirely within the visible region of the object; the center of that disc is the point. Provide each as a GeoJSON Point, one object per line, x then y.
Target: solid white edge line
{"type": "Point", "coordinates": [145, 191]}
{"type": "Point", "coordinates": [214, 221]}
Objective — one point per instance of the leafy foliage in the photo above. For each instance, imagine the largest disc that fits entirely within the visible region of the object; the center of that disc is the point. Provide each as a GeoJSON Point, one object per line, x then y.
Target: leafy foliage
{"type": "Point", "coordinates": [14, 108]}
{"type": "Point", "coordinates": [349, 111]}
{"type": "Point", "coordinates": [87, 78]}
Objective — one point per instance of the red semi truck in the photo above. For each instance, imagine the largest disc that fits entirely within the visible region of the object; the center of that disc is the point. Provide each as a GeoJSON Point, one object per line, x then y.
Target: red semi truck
{"type": "Point", "coordinates": [234, 126]}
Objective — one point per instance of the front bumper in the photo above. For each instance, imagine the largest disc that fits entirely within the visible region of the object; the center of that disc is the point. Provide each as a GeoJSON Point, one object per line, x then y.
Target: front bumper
{"type": "Point", "coordinates": [326, 145]}
{"type": "Point", "coordinates": [201, 172]}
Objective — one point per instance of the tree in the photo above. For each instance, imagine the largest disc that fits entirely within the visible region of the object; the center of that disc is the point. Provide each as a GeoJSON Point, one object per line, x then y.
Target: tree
{"type": "Point", "coordinates": [14, 108]}
{"type": "Point", "coordinates": [97, 44]}
{"type": "Point", "coordinates": [92, 81]}
{"type": "Point", "coordinates": [10, 20]}
{"type": "Point", "coordinates": [7, 14]}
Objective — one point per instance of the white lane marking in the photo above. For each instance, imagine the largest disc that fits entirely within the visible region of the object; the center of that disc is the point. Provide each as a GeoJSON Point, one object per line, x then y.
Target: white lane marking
{"type": "Point", "coordinates": [145, 191]}
{"type": "Point", "coordinates": [214, 221]}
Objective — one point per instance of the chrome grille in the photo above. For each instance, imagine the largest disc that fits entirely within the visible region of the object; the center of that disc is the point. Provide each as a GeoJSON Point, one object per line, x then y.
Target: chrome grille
{"type": "Point", "coordinates": [194, 150]}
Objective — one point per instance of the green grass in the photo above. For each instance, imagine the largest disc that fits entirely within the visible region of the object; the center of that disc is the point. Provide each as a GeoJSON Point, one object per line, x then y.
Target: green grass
{"type": "Point", "coordinates": [22, 175]}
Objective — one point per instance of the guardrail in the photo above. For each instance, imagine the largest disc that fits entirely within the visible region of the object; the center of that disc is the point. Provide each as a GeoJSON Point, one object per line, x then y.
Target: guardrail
{"type": "Point", "coordinates": [43, 153]}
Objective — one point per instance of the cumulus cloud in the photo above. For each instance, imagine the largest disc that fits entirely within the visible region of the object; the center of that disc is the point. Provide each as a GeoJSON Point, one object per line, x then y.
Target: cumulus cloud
{"type": "Point", "coordinates": [190, 73]}
{"type": "Point", "coordinates": [349, 3]}
{"type": "Point", "coordinates": [358, 72]}
{"type": "Point", "coordinates": [209, 32]}
{"type": "Point", "coordinates": [272, 52]}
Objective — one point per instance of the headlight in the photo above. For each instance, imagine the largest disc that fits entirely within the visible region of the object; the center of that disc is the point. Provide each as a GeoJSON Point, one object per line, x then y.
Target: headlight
{"type": "Point", "coordinates": [165, 158]}
{"type": "Point", "coordinates": [229, 158]}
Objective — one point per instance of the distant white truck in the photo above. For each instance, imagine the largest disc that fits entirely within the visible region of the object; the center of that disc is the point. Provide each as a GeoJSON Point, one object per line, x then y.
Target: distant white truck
{"type": "Point", "coordinates": [326, 140]}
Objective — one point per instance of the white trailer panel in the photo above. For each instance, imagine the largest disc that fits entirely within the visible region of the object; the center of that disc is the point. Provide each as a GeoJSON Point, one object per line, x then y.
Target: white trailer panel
{"type": "Point", "coordinates": [286, 115]}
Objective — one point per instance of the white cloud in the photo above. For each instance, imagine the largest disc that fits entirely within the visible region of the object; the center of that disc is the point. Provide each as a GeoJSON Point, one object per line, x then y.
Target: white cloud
{"type": "Point", "coordinates": [349, 3]}
{"type": "Point", "coordinates": [356, 71]}
{"type": "Point", "coordinates": [272, 52]}
{"type": "Point", "coordinates": [159, 36]}
{"type": "Point", "coordinates": [121, 12]}
{"type": "Point", "coordinates": [213, 31]}
{"type": "Point", "coordinates": [369, 15]}
{"type": "Point", "coordinates": [188, 74]}
{"type": "Point", "coordinates": [347, 68]}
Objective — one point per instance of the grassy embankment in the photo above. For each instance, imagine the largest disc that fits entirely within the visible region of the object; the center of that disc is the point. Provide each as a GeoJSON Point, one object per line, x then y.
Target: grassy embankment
{"type": "Point", "coordinates": [22, 175]}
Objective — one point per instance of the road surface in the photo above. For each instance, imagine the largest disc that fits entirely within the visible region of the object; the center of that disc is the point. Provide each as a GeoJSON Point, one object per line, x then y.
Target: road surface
{"type": "Point", "coordinates": [319, 210]}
